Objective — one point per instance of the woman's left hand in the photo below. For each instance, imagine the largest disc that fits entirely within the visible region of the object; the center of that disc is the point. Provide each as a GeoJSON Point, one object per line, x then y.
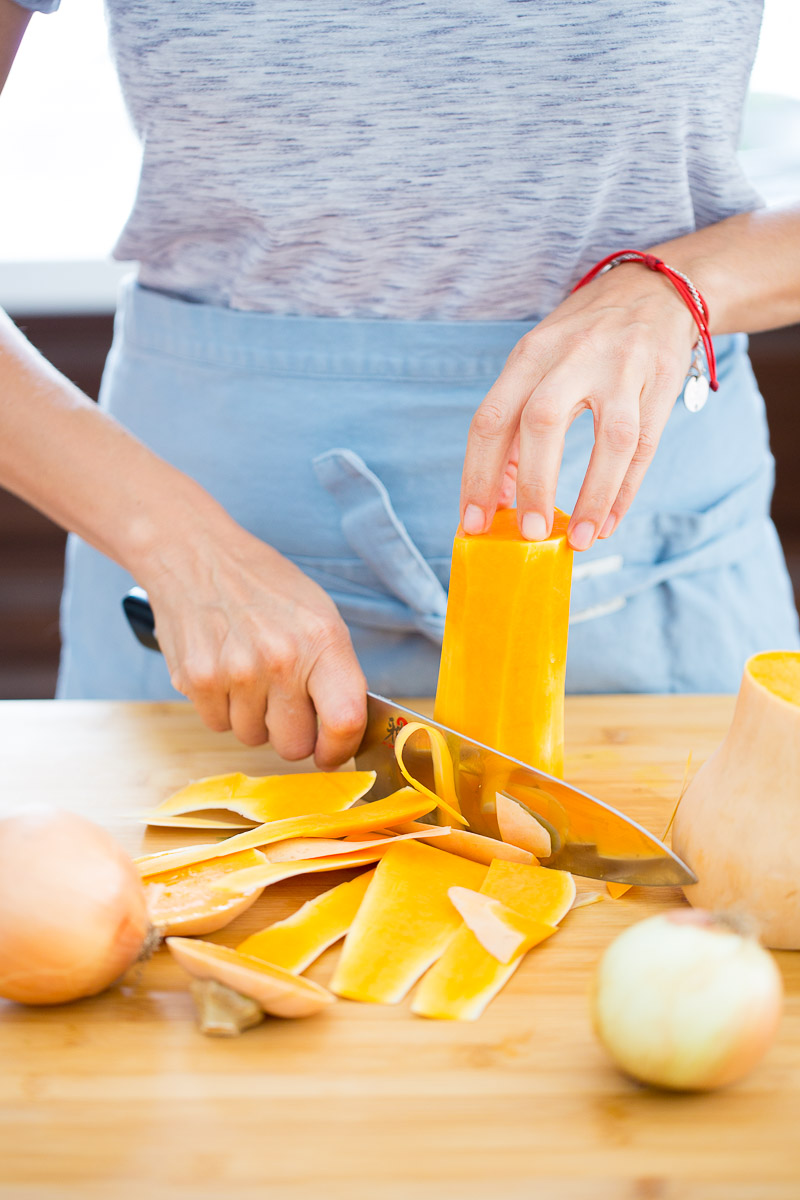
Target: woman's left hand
{"type": "Point", "coordinates": [620, 346]}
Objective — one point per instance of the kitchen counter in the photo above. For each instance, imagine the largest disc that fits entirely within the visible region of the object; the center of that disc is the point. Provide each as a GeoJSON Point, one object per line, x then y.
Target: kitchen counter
{"type": "Point", "coordinates": [120, 1096]}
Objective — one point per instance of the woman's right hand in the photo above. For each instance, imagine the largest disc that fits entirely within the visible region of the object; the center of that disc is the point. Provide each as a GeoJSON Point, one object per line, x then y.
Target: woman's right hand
{"type": "Point", "coordinates": [257, 646]}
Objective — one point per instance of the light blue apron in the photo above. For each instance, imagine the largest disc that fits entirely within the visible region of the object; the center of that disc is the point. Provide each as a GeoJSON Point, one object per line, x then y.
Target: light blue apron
{"type": "Point", "coordinates": [341, 443]}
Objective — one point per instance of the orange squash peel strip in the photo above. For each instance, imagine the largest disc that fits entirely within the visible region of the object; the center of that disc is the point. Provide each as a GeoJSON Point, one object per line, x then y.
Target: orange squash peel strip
{"type": "Point", "coordinates": [506, 934]}
{"type": "Point", "coordinates": [297, 941]}
{"type": "Point", "coordinates": [268, 797]}
{"type": "Point", "coordinates": [351, 854]}
{"type": "Point", "coordinates": [444, 780]}
{"type": "Point", "coordinates": [464, 980]}
{"type": "Point", "coordinates": [403, 923]}
{"type": "Point", "coordinates": [404, 805]}
{"type": "Point", "coordinates": [518, 827]}
{"type": "Point", "coordinates": [183, 902]}
{"type": "Point", "coordinates": [274, 990]}
{"type": "Point", "coordinates": [474, 846]}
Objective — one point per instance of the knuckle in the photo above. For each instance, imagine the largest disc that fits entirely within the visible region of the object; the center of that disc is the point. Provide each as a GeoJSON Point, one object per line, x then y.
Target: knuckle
{"type": "Point", "coordinates": [542, 414]}
{"type": "Point", "coordinates": [621, 432]}
{"type": "Point", "coordinates": [347, 719]}
{"type": "Point", "coordinates": [200, 676]}
{"type": "Point", "coordinates": [647, 445]}
{"type": "Point", "coordinates": [490, 420]}
{"type": "Point", "coordinates": [251, 734]}
{"type": "Point", "coordinates": [281, 657]}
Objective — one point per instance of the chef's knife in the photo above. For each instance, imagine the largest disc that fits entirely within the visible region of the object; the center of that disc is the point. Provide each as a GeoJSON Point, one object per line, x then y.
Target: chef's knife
{"type": "Point", "coordinates": [588, 837]}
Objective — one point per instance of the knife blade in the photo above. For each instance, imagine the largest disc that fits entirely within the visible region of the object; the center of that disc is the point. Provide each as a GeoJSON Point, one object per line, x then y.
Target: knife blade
{"type": "Point", "coordinates": [588, 837]}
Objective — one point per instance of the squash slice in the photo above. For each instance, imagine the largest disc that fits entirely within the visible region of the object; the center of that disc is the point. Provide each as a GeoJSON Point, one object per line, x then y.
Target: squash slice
{"type": "Point", "coordinates": [467, 976]}
{"type": "Point", "coordinates": [268, 797]}
{"type": "Point", "coordinates": [297, 941]}
{"type": "Point", "coordinates": [404, 922]}
{"type": "Point", "coordinates": [471, 845]}
{"type": "Point", "coordinates": [520, 828]}
{"type": "Point", "coordinates": [403, 805]}
{"type": "Point", "coordinates": [351, 854]}
{"type": "Point", "coordinates": [294, 848]}
{"type": "Point", "coordinates": [276, 991]}
{"type": "Point", "coordinates": [182, 901]}
{"type": "Point", "coordinates": [506, 934]}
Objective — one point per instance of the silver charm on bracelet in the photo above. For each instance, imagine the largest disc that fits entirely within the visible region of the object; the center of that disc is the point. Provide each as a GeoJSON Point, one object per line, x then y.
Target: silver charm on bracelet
{"type": "Point", "coordinates": [695, 390]}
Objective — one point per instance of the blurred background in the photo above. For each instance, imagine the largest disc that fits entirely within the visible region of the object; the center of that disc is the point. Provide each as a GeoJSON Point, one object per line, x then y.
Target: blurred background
{"type": "Point", "coordinates": [62, 208]}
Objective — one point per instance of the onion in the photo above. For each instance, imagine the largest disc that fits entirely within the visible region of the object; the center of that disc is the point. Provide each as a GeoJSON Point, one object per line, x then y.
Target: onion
{"type": "Point", "coordinates": [73, 915]}
{"type": "Point", "coordinates": [686, 1000]}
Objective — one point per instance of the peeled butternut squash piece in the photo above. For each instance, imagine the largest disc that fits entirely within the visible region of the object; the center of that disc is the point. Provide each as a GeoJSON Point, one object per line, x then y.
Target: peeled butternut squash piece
{"type": "Point", "coordinates": [182, 901]}
{"type": "Point", "coordinates": [351, 854]}
{"type": "Point", "coordinates": [472, 845]}
{"type": "Point", "coordinates": [403, 805]}
{"type": "Point", "coordinates": [268, 797]}
{"type": "Point", "coordinates": [501, 679]}
{"type": "Point", "coordinates": [294, 848]}
{"type": "Point", "coordinates": [276, 991]}
{"type": "Point", "coordinates": [506, 934]}
{"type": "Point", "coordinates": [519, 828]}
{"type": "Point", "coordinates": [297, 941]}
{"type": "Point", "coordinates": [467, 976]}
{"type": "Point", "coordinates": [404, 922]}
{"type": "Point", "coordinates": [738, 825]}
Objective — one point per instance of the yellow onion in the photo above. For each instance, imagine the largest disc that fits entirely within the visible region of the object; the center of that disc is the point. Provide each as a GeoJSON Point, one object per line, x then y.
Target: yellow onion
{"type": "Point", "coordinates": [686, 1000]}
{"type": "Point", "coordinates": [73, 915]}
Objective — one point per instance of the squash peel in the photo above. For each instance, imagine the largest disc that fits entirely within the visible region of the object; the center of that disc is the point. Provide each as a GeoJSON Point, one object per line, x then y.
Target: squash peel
{"type": "Point", "coordinates": [182, 901]}
{"type": "Point", "coordinates": [506, 934]}
{"type": "Point", "coordinates": [403, 805]}
{"type": "Point", "coordinates": [520, 828]}
{"type": "Point", "coordinates": [350, 856]}
{"type": "Point", "coordinates": [461, 984]}
{"type": "Point", "coordinates": [404, 922]}
{"type": "Point", "coordinates": [467, 844]}
{"type": "Point", "coordinates": [444, 778]}
{"type": "Point", "coordinates": [276, 991]}
{"type": "Point", "coordinates": [297, 941]}
{"type": "Point", "coordinates": [268, 797]}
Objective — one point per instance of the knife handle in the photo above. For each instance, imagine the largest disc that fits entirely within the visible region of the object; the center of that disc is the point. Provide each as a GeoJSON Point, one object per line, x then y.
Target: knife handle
{"type": "Point", "coordinates": [140, 617]}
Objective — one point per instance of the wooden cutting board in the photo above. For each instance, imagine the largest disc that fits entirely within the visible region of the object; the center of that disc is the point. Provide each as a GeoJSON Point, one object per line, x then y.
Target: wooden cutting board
{"type": "Point", "coordinates": [120, 1097]}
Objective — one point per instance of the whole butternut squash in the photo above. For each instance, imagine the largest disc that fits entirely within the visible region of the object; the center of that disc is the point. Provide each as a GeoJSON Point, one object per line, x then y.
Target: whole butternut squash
{"type": "Point", "coordinates": [738, 825]}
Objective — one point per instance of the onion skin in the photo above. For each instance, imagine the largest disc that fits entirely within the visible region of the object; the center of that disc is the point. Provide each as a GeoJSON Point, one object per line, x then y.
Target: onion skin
{"type": "Point", "coordinates": [73, 914]}
{"type": "Point", "coordinates": [683, 1001]}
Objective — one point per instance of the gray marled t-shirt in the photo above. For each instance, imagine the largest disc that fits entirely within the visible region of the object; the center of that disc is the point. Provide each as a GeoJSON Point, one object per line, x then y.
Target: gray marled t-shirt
{"type": "Point", "coordinates": [458, 159]}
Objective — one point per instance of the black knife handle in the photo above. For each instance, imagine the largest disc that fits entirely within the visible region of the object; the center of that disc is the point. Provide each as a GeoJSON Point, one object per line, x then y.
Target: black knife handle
{"type": "Point", "coordinates": [140, 617]}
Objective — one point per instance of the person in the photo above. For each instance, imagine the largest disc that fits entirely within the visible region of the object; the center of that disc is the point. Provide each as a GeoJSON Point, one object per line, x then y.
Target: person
{"type": "Point", "coordinates": [358, 228]}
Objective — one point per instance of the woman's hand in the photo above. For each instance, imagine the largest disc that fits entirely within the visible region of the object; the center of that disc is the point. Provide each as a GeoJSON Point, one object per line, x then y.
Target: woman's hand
{"type": "Point", "coordinates": [621, 346]}
{"type": "Point", "coordinates": [257, 646]}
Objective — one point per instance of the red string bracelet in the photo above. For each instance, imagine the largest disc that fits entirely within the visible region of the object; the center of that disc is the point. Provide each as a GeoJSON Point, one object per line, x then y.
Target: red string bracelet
{"type": "Point", "coordinates": [691, 298]}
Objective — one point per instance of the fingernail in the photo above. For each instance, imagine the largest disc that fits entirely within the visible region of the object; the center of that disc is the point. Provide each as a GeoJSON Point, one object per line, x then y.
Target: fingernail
{"type": "Point", "coordinates": [474, 519]}
{"type": "Point", "coordinates": [582, 536]}
{"type": "Point", "coordinates": [608, 526]}
{"type": "Point", "coordinates": [534, 527]}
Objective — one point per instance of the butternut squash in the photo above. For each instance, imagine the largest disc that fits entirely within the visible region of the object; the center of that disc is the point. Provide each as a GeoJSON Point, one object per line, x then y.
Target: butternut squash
{"type": "Point", "coordinates": [267, 797]}
{"type": "Point", "coordinates": [404, 923]}
{"type": "Point", "coordinates": [461, 984]}
{"type": "Point", "coordinates": [297, 941]}
{"type": "Point", "coordinates": [503, 665]}
{"type": "Point", "coordinates": [738, 825]}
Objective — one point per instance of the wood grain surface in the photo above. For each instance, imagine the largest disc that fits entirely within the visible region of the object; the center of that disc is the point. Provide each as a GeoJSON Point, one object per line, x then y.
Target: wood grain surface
{"type": "Point", "coordinates": [120, 1096]}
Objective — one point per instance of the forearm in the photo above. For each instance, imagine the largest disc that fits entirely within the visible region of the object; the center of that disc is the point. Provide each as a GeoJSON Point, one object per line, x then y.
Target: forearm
{"type": "Point", "coordinates": [747, 268]}
{"type": "Point", "coordinates": [63, 455]}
